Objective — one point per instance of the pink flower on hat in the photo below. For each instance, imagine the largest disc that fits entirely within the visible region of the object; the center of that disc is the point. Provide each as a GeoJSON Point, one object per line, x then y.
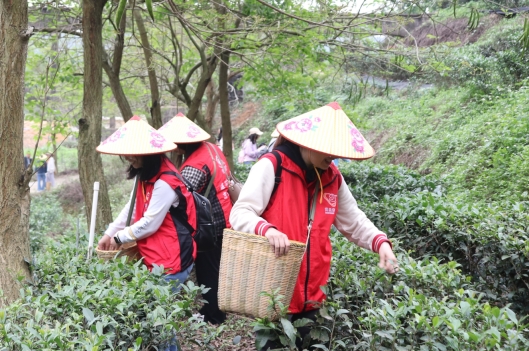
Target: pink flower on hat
{"type": "Point", "coordinates": [289, 125]}
{"type": "Point", "coordinates": [304, 125]}
{"type": "Point", "coordinates": [116, 136]}
{"type": "Point", "coordinates": [157, 139]}
{"type": "Point", "coordinates": [192, 131]}
{"type": "Point", "coordinates": [358, 140]}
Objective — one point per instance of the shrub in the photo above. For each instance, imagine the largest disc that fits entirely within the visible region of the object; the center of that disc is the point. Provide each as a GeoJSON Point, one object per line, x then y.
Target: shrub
{"type": "Point", "coordinates": [426, 306]}
{"type": "Point", "coordinates": [75, 304]}
{"type": "Point", "coordinates": [489, 240]}
{"type": "Point", "coordinates": [45, 218]}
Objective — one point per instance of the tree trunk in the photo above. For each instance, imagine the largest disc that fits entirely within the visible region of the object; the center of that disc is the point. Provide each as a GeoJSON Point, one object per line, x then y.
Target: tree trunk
{"type": "Point", "coordinates": [114, 70]}
{"type": "Point", "coordinates": [156, 111]}
{"type": "Point", "coordinates": [14, 190]}
{"type": "Point", "coordinates": [90, 164]}
{"type": "Point", "coordinates": [225, 107]}
{"type": "Point", "coordinates": [194, 108]}
{"type": "Point", "coordinates": [213, 101]}
{"type": "Point", "coordinates": [54, 148]}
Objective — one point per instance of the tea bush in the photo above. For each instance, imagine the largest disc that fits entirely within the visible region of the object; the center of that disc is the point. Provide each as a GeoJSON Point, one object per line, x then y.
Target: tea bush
{"type": "Point", "coordinates": [45, 218]}
{"type": "Point", "coordinates": [427, 305]}
{"type": "Point", "coordinates": [94, 305]}
{"type": "Point", "coordinates": [490, 241]}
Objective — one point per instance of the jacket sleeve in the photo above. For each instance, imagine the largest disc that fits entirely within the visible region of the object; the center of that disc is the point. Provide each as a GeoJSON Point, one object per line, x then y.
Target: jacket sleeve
{"type": "Point", "coordinates": [121, 220]}
{"type": "Point", "coordinates": [353, 223]}
{"type": "Point", "coordinates": [249, 149]}
{"type": "Point", "coordinates": [246, 212]}
{"type": "Point", "coordinates": [163, 197]}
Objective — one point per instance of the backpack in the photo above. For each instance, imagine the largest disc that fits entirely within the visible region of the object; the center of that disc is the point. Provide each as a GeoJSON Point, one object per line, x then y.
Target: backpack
{"type": "Point", "coordinates": [278, 171]}
{"type": "Point", "coordinates": [205, 235]}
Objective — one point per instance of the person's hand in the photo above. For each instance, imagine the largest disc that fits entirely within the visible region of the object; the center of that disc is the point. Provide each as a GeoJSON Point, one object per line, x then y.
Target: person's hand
{"type": "Point", "coordinates": [104, 243]}
{"type": "Point", "coordinates": [278, 241]}
{"type": "Point", "coordinates": [388, 261]}
{"type": "Point", "coordinates": [113, 246]}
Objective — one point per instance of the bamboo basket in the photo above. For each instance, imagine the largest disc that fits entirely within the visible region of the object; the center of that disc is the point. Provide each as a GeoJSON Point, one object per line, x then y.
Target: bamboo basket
{"type": "Point", "coordinates": [129, 249]}
{"type": "Point", "coordinates": [248, 267]}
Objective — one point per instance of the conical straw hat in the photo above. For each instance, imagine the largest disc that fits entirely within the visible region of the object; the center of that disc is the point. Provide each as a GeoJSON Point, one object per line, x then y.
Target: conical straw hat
{"type": "Point", "coordinates": [327, 130]}
{"type": "Point", "coordinates": [135, 137]}
{"type": "Point", "coordinates": [182, 130]}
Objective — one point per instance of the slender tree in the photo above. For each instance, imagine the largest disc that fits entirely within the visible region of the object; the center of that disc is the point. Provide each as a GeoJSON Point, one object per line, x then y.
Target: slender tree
{"type": "Point", "coordinates": [90, 163]}
{"type": "Point", "coordinates": [113, 70]}
{"type": "Point", "coordinates": [156, 111]}
{"type": "Point", "coordinates": [15, 254]}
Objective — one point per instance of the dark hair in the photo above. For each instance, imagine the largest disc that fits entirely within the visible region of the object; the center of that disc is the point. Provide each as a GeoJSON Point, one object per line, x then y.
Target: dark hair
{"type": "Point", "coordinates": [189, 148]}
{"type": "Point", "coordinates": [253, 138]}
{"type": "Point", "coordinates": [150, 167]}
{"type": "Point", "coordinates": [220, 134]}
{"type": "Point", "coordinates": [279, 141]}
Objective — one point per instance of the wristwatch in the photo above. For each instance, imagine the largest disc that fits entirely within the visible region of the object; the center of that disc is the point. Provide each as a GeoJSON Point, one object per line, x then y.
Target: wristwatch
{"type": "Point", "coordinates": [117, 240]}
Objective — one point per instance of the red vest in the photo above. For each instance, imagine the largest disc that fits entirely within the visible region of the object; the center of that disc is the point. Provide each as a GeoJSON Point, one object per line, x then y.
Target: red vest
{"type": "Point", "coordinates": [172, 245]}
{"type": "Point", "coordinates": [202, 157]}
{"type": "Point", "coordinates": [288, 210]}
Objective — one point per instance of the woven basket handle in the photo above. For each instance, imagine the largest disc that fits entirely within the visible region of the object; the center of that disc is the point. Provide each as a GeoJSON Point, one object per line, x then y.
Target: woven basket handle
{"type": "Point", "coordinates": [132, 200]}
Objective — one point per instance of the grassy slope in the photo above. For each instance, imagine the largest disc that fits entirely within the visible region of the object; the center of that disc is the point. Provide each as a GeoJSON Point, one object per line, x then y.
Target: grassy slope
{"type": "Point", "coordinates": [479, 144]}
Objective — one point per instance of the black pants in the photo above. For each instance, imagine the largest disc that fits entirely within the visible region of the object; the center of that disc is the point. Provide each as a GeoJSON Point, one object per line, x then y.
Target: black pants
{"type": "Point", "coordinates": [303, 331]}
{"type": "Point", "coordinates": [207, 265]}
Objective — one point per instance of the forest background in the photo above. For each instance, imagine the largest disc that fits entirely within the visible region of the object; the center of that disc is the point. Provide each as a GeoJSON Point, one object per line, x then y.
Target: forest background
{"type": "Point", "coordinates": [438, 88]}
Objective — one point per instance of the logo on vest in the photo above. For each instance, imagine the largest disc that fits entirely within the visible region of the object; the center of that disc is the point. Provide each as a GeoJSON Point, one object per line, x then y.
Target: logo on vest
{"type": "Point", "coordinates": [329, 210]}
{"type": "Point", "coordinates": [331, 199]}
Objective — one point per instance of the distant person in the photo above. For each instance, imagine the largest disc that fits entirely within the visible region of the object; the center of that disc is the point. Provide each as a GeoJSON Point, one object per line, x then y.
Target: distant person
{"type": "Point", "coordinates": [250, 152]}
{"type": "Point", "coordinates": [41, 174]}
{"type": "Point", "coordinates": [50, 173]}
{"type": "Point", "coordinates": [219, 138]}
{"type": "Point", "coordinates": [27, 160]}
{"type": "Point", "coordinates": [205, 167]}
{"type": "Point", "coordinates": [220, 141]}
{"type": "Point", "coordinates": [274, 135]}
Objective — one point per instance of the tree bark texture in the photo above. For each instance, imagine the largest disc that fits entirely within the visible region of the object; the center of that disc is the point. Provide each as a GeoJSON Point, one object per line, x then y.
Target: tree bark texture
{"type": "Point", "coordinates": [156, 111]}
{"type": "Point", "coordinates": [90, 164]}
{"type": "Point", "coordinates": [225, 107]}
{"type": "Point", "coordinates": [194, 108]}
{"type": "Point", "coordinates": [213, 100]}
{"type": "Point", "coordinates": [113, 71]}
{"type": "Point", "coordinates": [14, 191]}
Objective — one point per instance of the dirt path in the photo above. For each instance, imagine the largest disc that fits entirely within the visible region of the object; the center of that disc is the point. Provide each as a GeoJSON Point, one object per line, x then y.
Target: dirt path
{"type": "Point", "coordinates": [59, 180]}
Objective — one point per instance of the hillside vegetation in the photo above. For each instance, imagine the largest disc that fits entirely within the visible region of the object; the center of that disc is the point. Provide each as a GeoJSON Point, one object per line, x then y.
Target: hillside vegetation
{"type": "Point", "coordinates": [449, 184]}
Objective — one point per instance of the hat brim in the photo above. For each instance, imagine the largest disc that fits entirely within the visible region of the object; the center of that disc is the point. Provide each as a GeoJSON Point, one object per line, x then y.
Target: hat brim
{"type": "Point", "coordinates": [137, 154]}
{"type": "Point", "coordinates": [181, 130]}
{"type": "Point", "coordinates": [329, 131]}
{"type": "Point", "coordinates": [332, 155]}
{"type": "Point", "coordinates": [135, 138]}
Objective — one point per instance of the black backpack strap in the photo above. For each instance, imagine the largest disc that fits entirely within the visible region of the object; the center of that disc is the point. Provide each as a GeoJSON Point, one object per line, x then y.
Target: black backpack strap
{"type": "Point", "coordinates": [181, 178]}
{"type": "Point", "coordinates": [279, 170]}
{"type": "Point", "coordinates": [174, 210]}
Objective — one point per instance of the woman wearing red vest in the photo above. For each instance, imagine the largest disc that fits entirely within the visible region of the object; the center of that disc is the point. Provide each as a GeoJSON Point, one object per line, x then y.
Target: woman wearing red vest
{"type": "Point", "coordinates": [310, 196]}
{"type": "Point", "coordinates": [162, 202]}
{"type": "Point", "coordinates": [203, 164]}
{"type": "Point", "coordinates": [160, 198]}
